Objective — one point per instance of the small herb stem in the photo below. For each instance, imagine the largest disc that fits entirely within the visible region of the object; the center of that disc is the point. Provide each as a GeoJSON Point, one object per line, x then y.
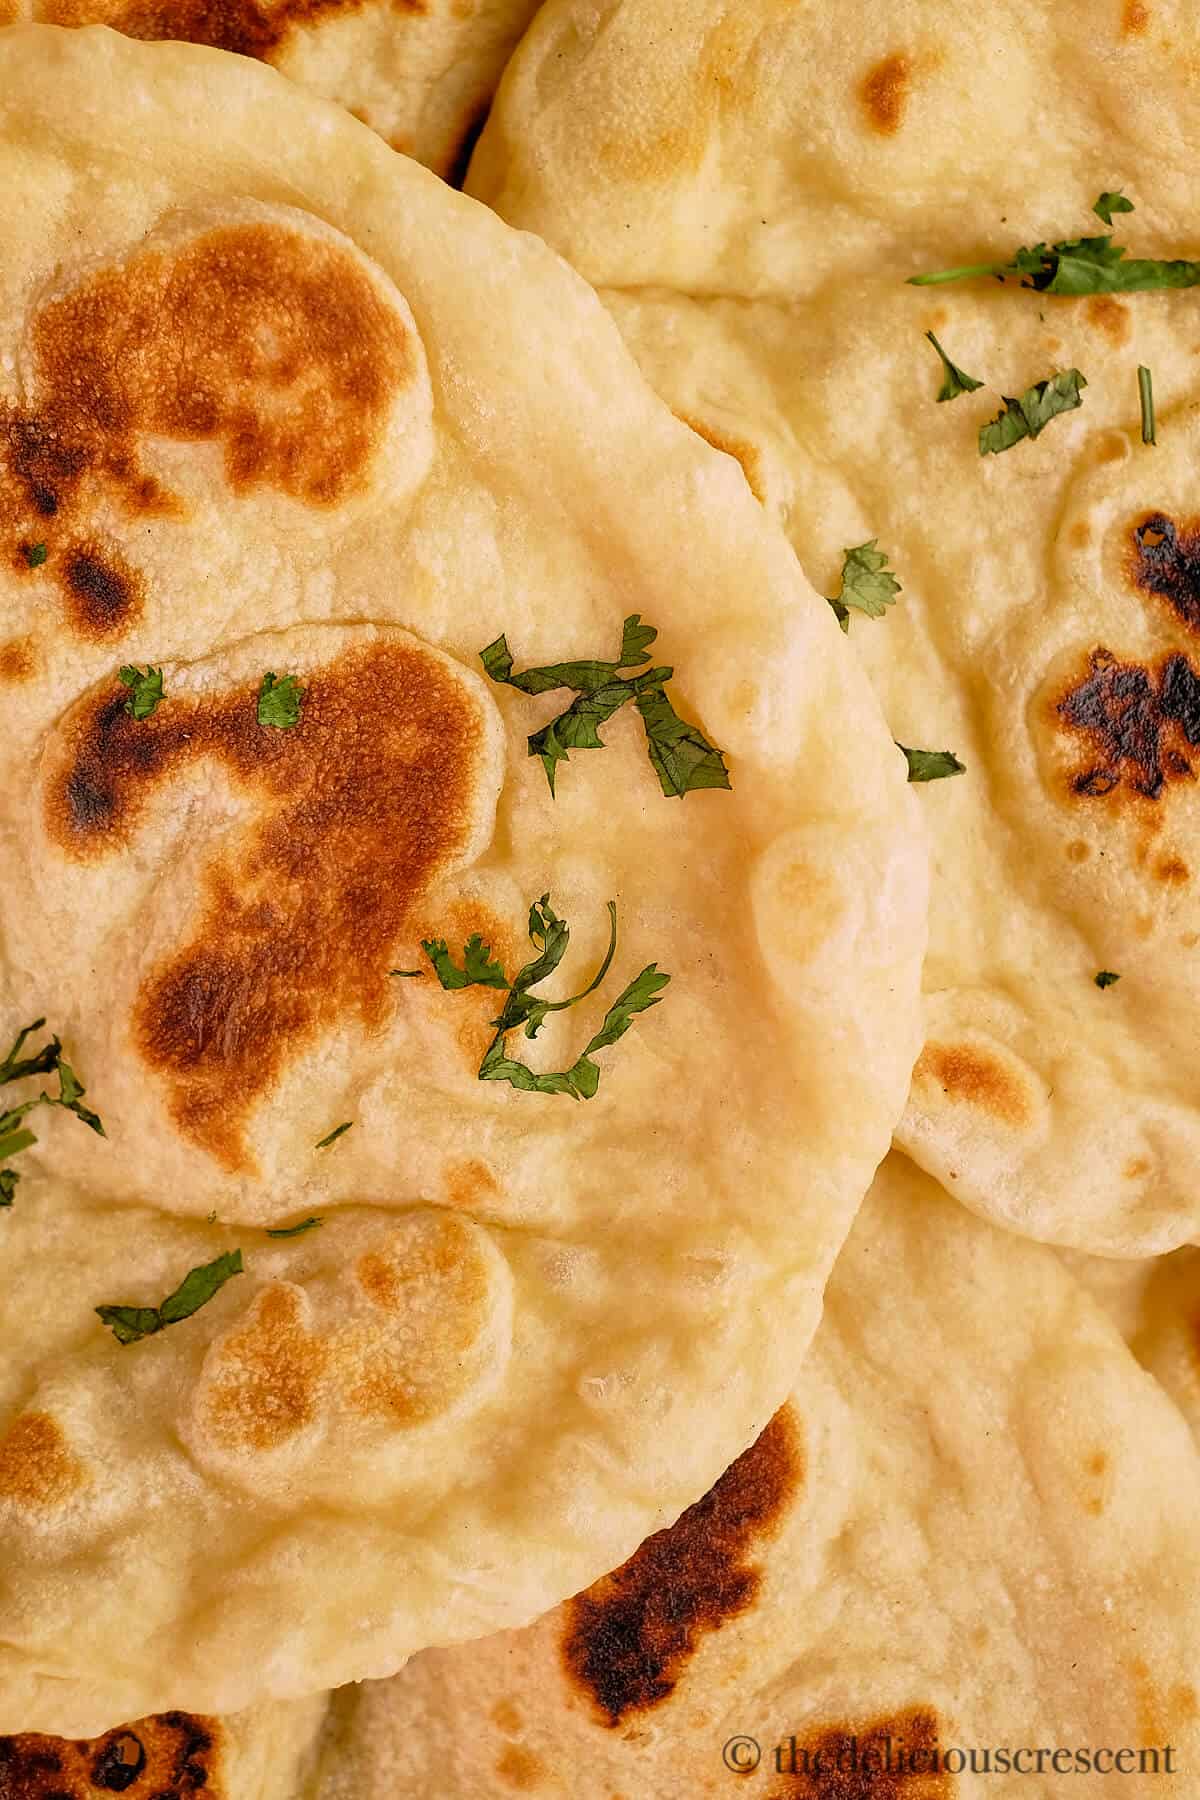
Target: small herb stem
{"type": "Point", "coordinates": [1146, 395]}
{"type": "Point", "coordinates": [966, 273]}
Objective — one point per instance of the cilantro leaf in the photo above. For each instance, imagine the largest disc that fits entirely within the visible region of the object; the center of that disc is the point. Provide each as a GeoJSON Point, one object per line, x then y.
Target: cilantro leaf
{"type": "Point", "coordinates": [332, 1136]}
{"type": "Point", "coordinates": [550, 936]}
{"type": "Point", "coordinates": [1085, 265]}
{"type": "Point", "coordinates": [407, 974]}
{"type": "Point", "coordinates": [1106, 978]}
{"type": "Point", "coordinates": [679, 753]}
{"type": "Point", "coordinates": [479, 969]}
{"type": "Point", "coordinates": [1028, 415]}
{"type": "Point", "coordinates": [34, 554]}
{"type": "Point", "coordinates": [867, 583]}
{"type": "Point", "coordinates": [14, 1135]}
{"type": "Point", "coordinates": [1146, 397]}
{"type": "Point", "coordinates": [279, 701]}
{"type": "Point", "coordinates": [147, 686]}
{"type": "Point", "coordinates": [286, 1231]}
{"type": "Point", "coordinates": [129, 1324]}
{"type": "Point", "coordinates": [955, 381]}
{"type": "Point", "coordinates": [1108, 204]}
{"type": "Point", "coordinates": [931, 765]}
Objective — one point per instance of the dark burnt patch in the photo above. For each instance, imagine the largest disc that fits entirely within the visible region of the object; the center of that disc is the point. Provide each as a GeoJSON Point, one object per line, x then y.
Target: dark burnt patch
{"type": "Point", "coordinates": [894, 1757]}
{"type": "Point", "coordinates": [629, 1638]}
{"type": "Point", "coordinates": [172, 1756]}
{"type": "Point", "coordinates": [271, 342]}
{"type": "Point", "coordinates": [104, 594]}
{"type": "Point", "coordinates": [360, 806]}
{"type": "Point", "coordinates": [1138, 724]}
{"type": "Point", "coordinates": [1164, 559]}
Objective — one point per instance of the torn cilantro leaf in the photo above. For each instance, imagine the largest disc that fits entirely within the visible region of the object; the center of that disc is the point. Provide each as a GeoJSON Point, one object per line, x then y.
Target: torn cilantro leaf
{"type": "Point", "coordinates": [332, 1136]}
{"type": "Point", "coordinates": [931, 765]}
{"type": "Point", "coordinates": [1105, 978]}
{"type": "Point", "coordinates": [147, 686]}
{"type": "Point", "coordinates": [549, 936]}
{"type": "Point", "coordinates": [478, 970]}
{"type": "Point", "coordinates": [679, 753]}
{"type": "Point", "coordinates": [14, 1135]}
{"type": "Point", "coordinates": [34, 554]}
{"type": "Point", "coordinates": [286, 1231]}
{"type": "Point", "coordinates": [1108, 204]}
{"type": "Point", "coordinates": [1086, 265]}
{"type": "Point", "coordinates": [955, 381]}
{"type": "Point", "coordinates": [1029, 414]}
{"type": "Point", "coordinates": [279, 701]}
{"type": "Point", "coordinates": [868, 584]}
{"type": "Point", "coordinates": [1146, 397]}
{"type": "Point", "coordinates": [129, 1324]}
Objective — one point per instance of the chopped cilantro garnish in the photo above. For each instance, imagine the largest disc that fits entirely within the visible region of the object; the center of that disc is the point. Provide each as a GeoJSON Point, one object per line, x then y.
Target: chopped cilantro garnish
{"type": "Point", "coordinates": [129, 1324]}
{"type": "Point", "coordinates": [34, 554]}
{"type": "Point", "coordinates": [286, 1231]}
{"type": "Point", "coordinates": [279, 701]}
{"type": "Point", "coordinates": [867, 584]}
{"type": "Point", "coordinates": [407, 974]}
{"type": "Point", "coordinates": [147, 686]}
{"type": "Point", "coordinates": [549, 936]}
{"type": "Point", "coordinates": [332, 1136]}
{"type": "Point", "coordinates": [1146, 396]}
{"type": "Point", "coordinates": [1108, 204]}
{"type": "Point", "coordinates": [931, 765]}
{"type": "Point", "coordinates": [1086, 265]}
{"type": "Point", "coordinates": [680, 755]}
{"type": "Point", "coordinates": [1029, 414]}
{"type": "Point", "coordinates": [955, 381]}
{"type": "Point", "coordinates": [49, 1060]}
{"type": "Point", "coordinates": [1105, 978]}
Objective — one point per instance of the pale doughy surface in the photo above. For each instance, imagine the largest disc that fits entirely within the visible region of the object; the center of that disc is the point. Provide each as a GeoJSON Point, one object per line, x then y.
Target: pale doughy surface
{"type": "Point", "coordinates": [750, 189]}
{"type": "Point", "coordinates": [972, 1525]}
{"type": "Point", "coordinates": [277, 400]}
{"type": "Point", "coordinates": [420, 72]}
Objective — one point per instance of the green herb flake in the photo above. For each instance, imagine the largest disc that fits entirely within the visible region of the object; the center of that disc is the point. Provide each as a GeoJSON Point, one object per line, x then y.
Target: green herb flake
{"type": "Point", "coordinates": [955, 381]}
{"type": "Point", "coordinates": [129, 1324]}
{"type": "Point", "coordinates": [279, 701]}
{"type": "Point", "coordinates": [34, 554]}
{"type": "Point", "coordinates": [1146, 396]}
{"type": "Point", "coordinates": [549, 936]}
{"type": "Point", "coordinates": [1108, 204]}
{"type": "Point", "coordinates": [287, 1231]}
{"type": "Point", "coordinates": [15, 1136]}
{"type": "Point", "coordinates": [1105, 978]}
{"type": "Point", "coordinates": [868, 584]}
{"type": "Point", "coordinates": [407, 974]}
{"type": "Point", "coordinates": [1086, 265]}
{"type": "Point", "coordinates": [147, 690]}
{"type": "Point", "coordinates": [333, 1136]}
{"type": "Point", "coordinates": [1028, 415]}
{"type": "Point", "coordinates": [931, 765]}
{"type": "Point", "coordinates": [680, 755]}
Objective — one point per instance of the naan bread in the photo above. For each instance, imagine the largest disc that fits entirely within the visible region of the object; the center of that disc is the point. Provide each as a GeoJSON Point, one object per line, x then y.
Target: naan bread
{"type": "Point", "coordinates": [277, 401]}
{"type": "Point", "coordinates": [1155, 1305]}
{"type": "Point", "coordinates": [974, 1525]}
{"type": "Point", "coordinates": [751, 189]}
{"type": "Point", "coordinates": [267, 1753]}
{"type": "Point", "coordinates": [420, 72]}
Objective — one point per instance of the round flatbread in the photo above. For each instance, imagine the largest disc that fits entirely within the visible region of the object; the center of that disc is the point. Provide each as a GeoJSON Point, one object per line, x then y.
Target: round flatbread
{"type": "Point", "coordinates": [420, 72]}
{"type": "Point", "coordinates": [751, 191]}
{"type": "Point", "coordinates": [291, 434]}
{"type": "Point", "coordinates": [968, 1540]}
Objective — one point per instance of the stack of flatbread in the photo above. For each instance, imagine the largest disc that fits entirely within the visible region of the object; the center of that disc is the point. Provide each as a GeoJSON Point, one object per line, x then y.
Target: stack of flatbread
{"type": "Point", "coordinates": [600, 1195]}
